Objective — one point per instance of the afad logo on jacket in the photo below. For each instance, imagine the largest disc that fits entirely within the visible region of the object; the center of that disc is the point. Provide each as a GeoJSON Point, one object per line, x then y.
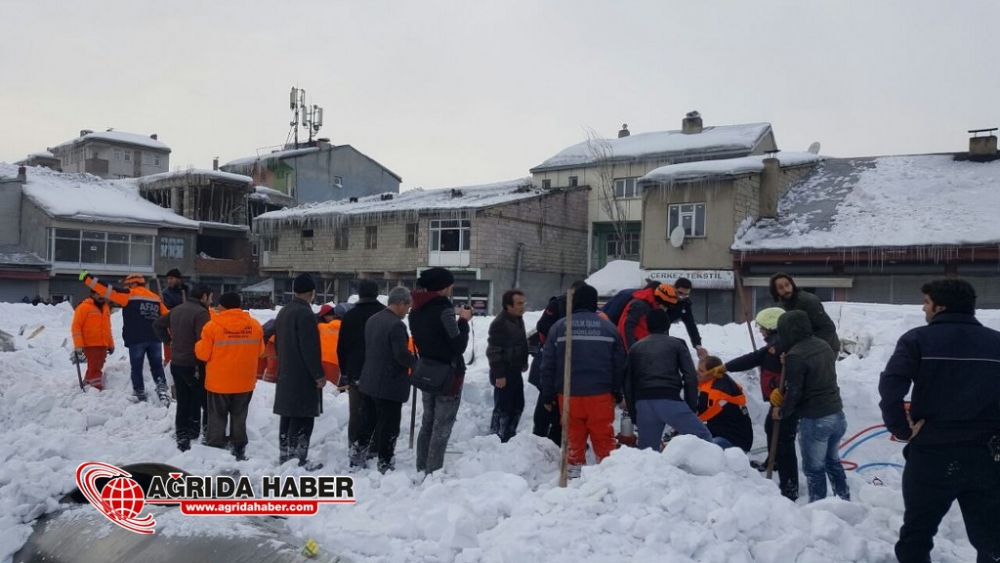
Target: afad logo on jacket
{"type": "Point", "coordinates": [122, 499]}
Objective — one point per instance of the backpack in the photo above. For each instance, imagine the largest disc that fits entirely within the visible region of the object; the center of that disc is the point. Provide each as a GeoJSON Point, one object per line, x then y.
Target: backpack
{"type": "Point", "coordinates": [616, 305]}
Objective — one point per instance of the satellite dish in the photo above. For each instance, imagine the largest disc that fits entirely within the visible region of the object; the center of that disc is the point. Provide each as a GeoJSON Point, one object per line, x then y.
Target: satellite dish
{"type": "Point", "coordinates": [677, 237]}
{"type": "Point", "coordinates": [813, 148]}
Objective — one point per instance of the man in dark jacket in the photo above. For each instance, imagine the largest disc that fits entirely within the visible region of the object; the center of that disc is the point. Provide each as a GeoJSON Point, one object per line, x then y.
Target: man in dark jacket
{"type": "Point", "coordinates": [791, 298]}
{"type": "Point", "coordinates": [351, 354]}
{"type": "Point", "coordinates": [298, 397]}
{"type": "Point", "coordinates": [507, 351]}
{"type": "Point", "coordinates": [953, 426]}
{"type": "Point", "coordinates": [598, 364]}
{"type": "Point", "coordinates": [438, 336]}
{"type": "Point", "coordinates": [180, 329]}
{"type": "Point", "coordinates": [811, 392]}
{"type": "Point", "coordinates": [385, 382]}
{"type": "Point", "coordinates": [176, 291]}
{"type": "Point", "coordinates": [659, 369]}
{"type": "Point", "coordinates": [679, 311]}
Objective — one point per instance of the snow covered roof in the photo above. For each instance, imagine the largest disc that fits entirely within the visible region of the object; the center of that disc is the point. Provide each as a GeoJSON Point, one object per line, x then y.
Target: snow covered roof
{"type": "Point", "coordinates": [118, 137]}
{"type": "Point", "coordinates": [272, 155]}
{"type": "Point", "coordinates": [17, 255]}
{"type": "Point", "coordinates": [274, 197]}
{"type": "Point", "coordinates": [412, 202]}
{"type": "Point", "coordinates": [195, 176]}
{"type": "Point", "coordinates": [725, 167]}
{"type": "Point", "coordinates": [914, 200]}
{"type": "Point", "coordinates": [715, 139]}
{"type": "Point", "coordinates": [41, 154]}
{"type": "Point", "coordinates": [83, 197]}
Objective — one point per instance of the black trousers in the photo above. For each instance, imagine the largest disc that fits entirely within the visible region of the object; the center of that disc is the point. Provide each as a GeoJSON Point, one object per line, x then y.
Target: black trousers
{"type": "Point", "coordinates": [355, 424]}
{"type": "Point", "coordinates": [547, 423]}
{"type": "Point", "coordinates": [785, 459]}
{"type": "Point", "coordinates": [934, 477]}
{"type": "Point", "coordinates": [294, 433]}
{"type": "Point", "coordinates": [231, 408]}
{"type": "Point", "coordinates": [508, 404]}
{"type": "Point", "coordinates": [190, 384]}
{"type": "Point", "coordinates": [380, 430]}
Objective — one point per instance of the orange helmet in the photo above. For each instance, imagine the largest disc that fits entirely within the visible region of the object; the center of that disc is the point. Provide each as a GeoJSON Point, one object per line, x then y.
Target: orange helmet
{"type": "Point", "coordinates": [137, 279]}
{"type": "Point", "coordinates": [665, 293]}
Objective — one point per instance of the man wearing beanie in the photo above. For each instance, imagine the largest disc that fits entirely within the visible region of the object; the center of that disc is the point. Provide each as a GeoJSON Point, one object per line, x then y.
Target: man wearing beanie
{"type": "Point", "coordinates": [440, 337]}
{"type": "Point", "coordinates": [596, 371]}
{"type": "Point", "coordinates": [298, 398]}
{"type": "Point", "coordinates": [351, 354]}
{"type": "Point", "coordinates": [176, 291]}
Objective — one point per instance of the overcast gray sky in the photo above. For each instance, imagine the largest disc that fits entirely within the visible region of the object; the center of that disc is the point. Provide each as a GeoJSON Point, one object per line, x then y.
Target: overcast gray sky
{"type": "Point", "coordinates": [459, 93]}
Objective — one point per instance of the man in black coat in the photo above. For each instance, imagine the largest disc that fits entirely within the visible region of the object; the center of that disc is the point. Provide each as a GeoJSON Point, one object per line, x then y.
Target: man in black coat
{"type": "Point", "coordinates": [176, 291]}
{"type": "Point", "coordinates": [298, 396]}
{"type": "Point", "coordinates": [351, 354]}
{"type": "Point", "coordinates": [440, 337]}
{"type": "Point", "coordinates": [791, 298]}
{"type": "Point", "coordinates": [385, 381]}
{"type": "Point", "coordinates": [953, 426]}
{"type": "Point", "coordinates": [507, 351]}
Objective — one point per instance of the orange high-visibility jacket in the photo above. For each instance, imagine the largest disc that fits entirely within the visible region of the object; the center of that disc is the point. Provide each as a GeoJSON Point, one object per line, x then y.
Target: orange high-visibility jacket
{"type": "Point", "coordinates": [329, 336]}
{"type": "Point", "coordinates": [140, 307]}
{"type": "Point", "coordinates": [92, 325]}
{"type": "Point", "coordinates": [230, 345]}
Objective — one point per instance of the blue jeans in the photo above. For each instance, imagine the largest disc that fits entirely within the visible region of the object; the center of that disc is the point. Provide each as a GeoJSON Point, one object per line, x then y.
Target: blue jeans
{"type": "Point", "coordinates": [153, 351]}
{"type": "Point", "coordinates": [654, 414]}
{"type": "Point", "coordinates": [819, 440]}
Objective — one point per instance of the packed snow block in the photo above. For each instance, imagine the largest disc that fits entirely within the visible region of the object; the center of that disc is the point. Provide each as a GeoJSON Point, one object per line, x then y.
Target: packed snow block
{"type": "Point", "coordinates": [6, 342]}
{"type": "Point", "coordinates": [696, 456]}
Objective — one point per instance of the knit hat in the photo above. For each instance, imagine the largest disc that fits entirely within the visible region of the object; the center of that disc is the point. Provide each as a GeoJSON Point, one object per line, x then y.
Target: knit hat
{"type": "Point", "coordinates": [665, 293]}
{"type": "Point", "coordinates": [341, 309]}
{"type": "Point", "coordinates": [174, 273]}
{"type": "Point", "coordinates": [231, 300]}
{"type": "Point", "coordinates": [303, 284]}
{"type": "Point", "coordinates": [768, 318]}
{"type": "Point", "coordinates": [435, 279]}
{"type": "Point", "coordinates": [585, 297]}
{"type": "Point", "coordinates": [135, 278]}
{"type": "Point", "coordinates": [325, 310]}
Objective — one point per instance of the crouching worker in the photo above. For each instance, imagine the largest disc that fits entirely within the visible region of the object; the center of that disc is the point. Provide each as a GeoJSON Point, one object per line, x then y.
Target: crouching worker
{"type": "Point", "coordinates": [92, 337]}
{"type": "Point", "coordinates": [722, 406]}
{"type": "Point", "coordinates": [659, 369]}
{"type": "Point", "coordinates": [230, 345]}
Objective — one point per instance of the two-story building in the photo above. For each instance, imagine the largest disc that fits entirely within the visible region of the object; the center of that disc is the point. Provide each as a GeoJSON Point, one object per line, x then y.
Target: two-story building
{"type": "Point", "coordinates": [612, 168]}
{"type": "Point", "coordinates": [113, 154]}
{"type": "Point", "coordinates": [874, 229]}
{"type": "Point", "coordinates": [493, 237]}
{"type": "Point", "coordinates": [23, 273]}
{"type": "Point", "coordinates": [318, 172]}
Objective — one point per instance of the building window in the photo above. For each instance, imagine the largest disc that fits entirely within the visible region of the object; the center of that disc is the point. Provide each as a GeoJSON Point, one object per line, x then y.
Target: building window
{"type": "Point", "coordinates": [623, 249]}
{"type": "Point", "coordinates": [128, 156]}
{"type": "Point", "coordinates": [172, 248]}
{"type": "Point", "coordinates": [118, 154]}
{"type": "Point", "coordinates": [573, 181]}
{"type": "Point", "coordinates": [412, 230]}
{"type": "Point", "coordinates": [691, 216]}
{"type": "Point", "coordinates": [307, 233]}
{"type": "Point", "coordinates": [341, 238]}
{"type": "Point", "coordinates": [451, 236]}
{"type": "Point", "coordinates": [546, 184]}
{"type": "Point", "coordinates": [625, 188]}
{"type": "Point", "coordinates": [371, 238]}
{"type": "Point", "coordinates": [338, 182]}
{"type": "Point", "coordinates": [98, 247]}
{"type": "Point", "coordinates": [269, 244]}
{"type": "Point", "coordinates": [156, 160]}
{"type": "Point", "coordinates": [145, 159]}
{"type": "Point", "coordinates": [254, 249]}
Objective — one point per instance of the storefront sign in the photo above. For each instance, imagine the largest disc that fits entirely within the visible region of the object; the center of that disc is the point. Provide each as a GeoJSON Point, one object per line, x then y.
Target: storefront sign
{"type": "Point", "coordinates": [700, 279]}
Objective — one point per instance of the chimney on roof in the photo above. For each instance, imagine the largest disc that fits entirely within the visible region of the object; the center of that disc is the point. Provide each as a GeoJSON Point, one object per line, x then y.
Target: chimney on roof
{"type": "Point", "coordinates": [85, 132]}
{"type": "Point", "coordinates": [456, 193]}
{"type": "Point", "coordinates": [624, 132]}
{"type": "Point", "coordinates": [691, 125]}
{"type": "Point", "coordinates": [983, 148]}
{"type": "Point", "coordinates": [215, 163]}
{"type": "Point", "coordinates": [770, 186]}
{"type": "Point", "coordinates": [386, 197]}
{"type": "Point", "coordinates": [153, 137]}
{"type": "Point", "coordinates": [353, 200]}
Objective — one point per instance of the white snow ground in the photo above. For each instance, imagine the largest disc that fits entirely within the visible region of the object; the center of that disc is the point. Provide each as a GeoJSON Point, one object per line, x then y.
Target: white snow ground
{"type": "Point", "coordinates": [492, 502]}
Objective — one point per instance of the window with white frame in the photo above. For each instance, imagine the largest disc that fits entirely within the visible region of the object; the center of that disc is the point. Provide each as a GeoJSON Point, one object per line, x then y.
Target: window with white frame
{"type": "Point", "coordinates": [371, 237]}
{"type": "Point", "coordinates": [145, 159]}
{"type": "Point", "coordinates": [341, 238]}
{"type": "Point", "coordinates": [128, 156]}
{"type": "Point", "coordinates": [412, 232]}
{"type": "Point", "coordinates": [118, 154]}
{"type": "Point", "coordinates": [269, 244]}
{"type": "Point", "coordinates": [99, 247]}
{"type": "Point", "coordinates": [451, 235]}
{"type": "Point", "coordinates": [156, 160]}
{"type": "Point", "coordinates": [691, 216]}
{"type": "Point", "coordinates": [625, 188]}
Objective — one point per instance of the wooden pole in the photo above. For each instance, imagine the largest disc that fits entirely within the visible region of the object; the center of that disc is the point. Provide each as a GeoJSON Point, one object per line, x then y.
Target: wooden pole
{"type": "Point", "coordinates": [743, 305]}
{"type": "Point", "coordinates": [567, 360]}
{"type": "Point", "coordinates": [775, 428]}
{"type": "Point", "coordinates": [413, 417]}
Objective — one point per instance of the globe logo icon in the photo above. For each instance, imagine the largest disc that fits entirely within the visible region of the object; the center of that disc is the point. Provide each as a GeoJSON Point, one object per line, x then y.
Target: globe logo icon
{"type": "Point", "coordinates": [123, 498]}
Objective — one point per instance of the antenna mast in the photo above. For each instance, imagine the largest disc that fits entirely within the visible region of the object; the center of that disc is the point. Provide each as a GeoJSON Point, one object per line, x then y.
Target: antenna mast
{"type": "Point", "coordinates": [303, 115]}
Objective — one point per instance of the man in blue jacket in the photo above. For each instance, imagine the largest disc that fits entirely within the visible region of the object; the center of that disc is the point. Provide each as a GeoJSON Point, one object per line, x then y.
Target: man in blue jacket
{"type": "Point", "coordinates": [953, 426]}
{"type": "Point", "coordinates": [596, 372]}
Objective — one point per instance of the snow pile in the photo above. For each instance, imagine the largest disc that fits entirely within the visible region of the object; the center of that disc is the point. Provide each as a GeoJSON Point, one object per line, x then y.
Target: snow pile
{"type": "Point", "coordinates": [84, 197]}
{"type": "Point", "coordinates": [717, 139]}
{"type": "Point", "coordinates": [492, 502]}
{"type": "Point", "coordinates": [616, 276]}
{"type": "Point", "coordinates": [725, 167]}
{"type": "Point", "coordinates": [891, 201]}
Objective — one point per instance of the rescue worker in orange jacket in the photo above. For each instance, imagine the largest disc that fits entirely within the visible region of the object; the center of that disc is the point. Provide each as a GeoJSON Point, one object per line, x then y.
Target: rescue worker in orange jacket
{"type": "Point", "coordinates": [92, 337]}
{"type": "Point", "coordinates": [722, 406]}
{"type": "Point", "coordinates": [267, 365]}
{"type": "Point", "coordinates": [230, 345]}
{"type": "Point", "coordinates": [632, 324]}
{"type": "Point", "coordinates": [140, 308]}
{"type": "Point", "coordinates": [330, 318]}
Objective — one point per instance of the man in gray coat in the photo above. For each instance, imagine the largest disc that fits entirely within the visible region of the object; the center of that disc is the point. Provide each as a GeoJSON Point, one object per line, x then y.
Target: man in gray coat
{"type": "Point", "coordinates": [385, 383]}
{"type": "Point", "coordinates": [181, 329]}
{"type": "Point", "coordinates": [298, 397]}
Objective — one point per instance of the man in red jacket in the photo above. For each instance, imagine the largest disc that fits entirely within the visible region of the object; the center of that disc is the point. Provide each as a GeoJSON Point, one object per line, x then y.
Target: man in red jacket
{"type": "Point", "coordinates": [632, 324]}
